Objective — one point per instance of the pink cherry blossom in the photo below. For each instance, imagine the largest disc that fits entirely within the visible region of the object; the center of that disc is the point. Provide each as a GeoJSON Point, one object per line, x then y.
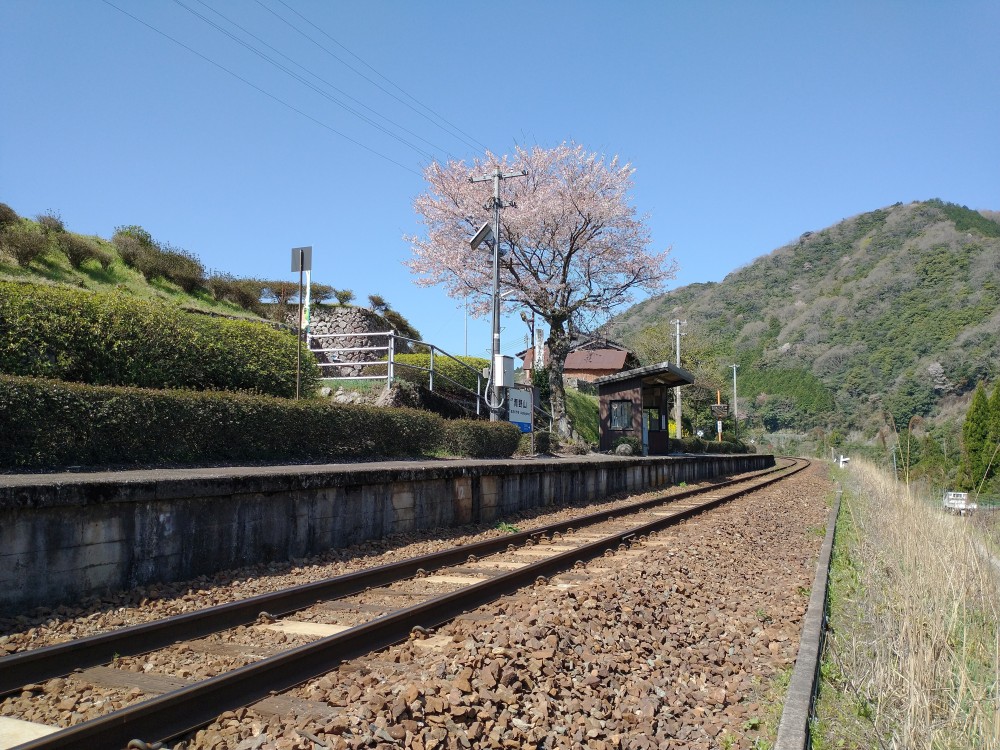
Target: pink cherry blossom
{"type": "Point", "coordinates": [574, 248]}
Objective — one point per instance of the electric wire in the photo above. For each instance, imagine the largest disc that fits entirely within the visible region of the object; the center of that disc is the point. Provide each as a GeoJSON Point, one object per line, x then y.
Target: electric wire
{"type": "Point", "coordinates": [455, 132]}
{"type": "Point", "coordinates": [263, 91]}
{"type": "Point", "coordinates": [310, 73]}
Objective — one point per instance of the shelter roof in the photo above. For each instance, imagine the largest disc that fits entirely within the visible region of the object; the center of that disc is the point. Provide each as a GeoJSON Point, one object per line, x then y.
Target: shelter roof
{"type": "Point", "coordinates": [663, 373]}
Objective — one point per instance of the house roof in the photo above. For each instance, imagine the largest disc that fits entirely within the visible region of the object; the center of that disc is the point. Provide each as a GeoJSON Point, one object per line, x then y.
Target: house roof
{"type": "Point", "coordinates": [585, 359]}
{"type": "Point", "coordinates": [596, 359]}
{"type": "Point", "coordinates": [663, 373]}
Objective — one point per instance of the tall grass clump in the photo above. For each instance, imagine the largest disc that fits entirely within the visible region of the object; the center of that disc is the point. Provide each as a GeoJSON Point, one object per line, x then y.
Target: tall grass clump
{"type": "Point", "coordinates": [913, 656]}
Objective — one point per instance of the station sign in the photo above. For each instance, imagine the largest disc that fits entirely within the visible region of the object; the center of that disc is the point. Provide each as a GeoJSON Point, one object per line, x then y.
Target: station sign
{"type": "Point", "coordinates": [519, 407]}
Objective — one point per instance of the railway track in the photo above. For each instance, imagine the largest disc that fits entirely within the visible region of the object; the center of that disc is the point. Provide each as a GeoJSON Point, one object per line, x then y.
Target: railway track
{"type": "Point", "coordinates": [365, 607]}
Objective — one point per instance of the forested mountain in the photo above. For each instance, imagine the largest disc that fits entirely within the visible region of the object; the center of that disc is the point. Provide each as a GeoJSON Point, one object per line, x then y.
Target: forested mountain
{"type": "Point", "coordinates": [893, 312]}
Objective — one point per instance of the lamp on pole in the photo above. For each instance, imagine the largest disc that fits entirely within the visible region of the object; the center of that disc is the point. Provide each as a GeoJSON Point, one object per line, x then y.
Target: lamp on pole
{"type": "Point", "coordinates": [736, 414]}
{"type": "Point", "coordinates": [487, 234]}
{"type": "Point", "coordinates": [677, 323]}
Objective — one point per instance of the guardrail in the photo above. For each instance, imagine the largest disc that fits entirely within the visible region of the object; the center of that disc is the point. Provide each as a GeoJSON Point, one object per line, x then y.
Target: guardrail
{"type": "Point", "coordinates": [369, 368]}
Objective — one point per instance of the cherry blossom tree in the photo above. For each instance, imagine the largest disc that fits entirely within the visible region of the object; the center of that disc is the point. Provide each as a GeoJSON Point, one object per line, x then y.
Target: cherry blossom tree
{"type": "Point", "coordinates": [573, 248]}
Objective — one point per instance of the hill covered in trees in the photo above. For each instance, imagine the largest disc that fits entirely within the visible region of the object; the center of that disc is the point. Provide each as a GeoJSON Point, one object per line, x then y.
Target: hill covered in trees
{"type": "Point", "coordinates": [886, 320]}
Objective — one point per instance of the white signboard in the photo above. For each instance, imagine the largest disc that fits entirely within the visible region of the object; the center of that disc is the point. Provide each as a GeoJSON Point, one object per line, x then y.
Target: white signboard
{"type": "Point", "coordinates": [519, 407]}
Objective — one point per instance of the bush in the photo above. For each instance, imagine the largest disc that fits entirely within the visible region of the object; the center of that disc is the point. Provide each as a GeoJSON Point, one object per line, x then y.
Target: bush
{"type": "Point", "coordinates": [243, 292]}
{"type": "Point", "coordinates": [446, 366]}
{"type": "Point", "coordinates": [7, 215]}
{"type": "Point", "coordinates": [51, 223]}
{"type": "Point", "coordinates": [181, 267]}
{"type": "Point", "coordinates": [80, 249]}
{"type": "Point", "coordinates": [141, 252]}
{"type": "Point", "coordinates": [46, 423]}
{"type": "Point", "coordinates": [25, 242]}
{"type": "Point", "coordinates": [544, 441]}
{"type": "Point", "coordinates": [480, 439]}
{"type": "Point", "coordinates": [116, 339]}
{"type": "Point", "coordinates": [344, 296]}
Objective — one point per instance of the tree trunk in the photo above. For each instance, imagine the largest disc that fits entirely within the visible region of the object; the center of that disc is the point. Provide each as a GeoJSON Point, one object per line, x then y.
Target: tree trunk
{"type": "Point", "coordinates": [558, 343]}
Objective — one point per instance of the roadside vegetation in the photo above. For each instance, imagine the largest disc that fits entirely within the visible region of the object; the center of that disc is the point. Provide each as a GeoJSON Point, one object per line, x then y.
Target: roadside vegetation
{"type": "Point", "coordinates": [912, 658]}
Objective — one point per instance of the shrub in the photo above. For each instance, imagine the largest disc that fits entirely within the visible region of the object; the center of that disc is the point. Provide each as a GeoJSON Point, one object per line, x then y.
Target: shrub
{"type": "Point", "coordinates": [7, 215]}
{"type": "Point", "coordinates": [480, 439]}
{"type": "Point", "coordinates": [180, 267]}
{"type": "Point", "coordinates": [543, 443]}
{"type": "Point", "coordinates": [344, 296]}
{"type": "Point", "coordinates": [452, 370]}
{"type": "Point", "coordinates": [51, 222]}
{"type": "Point", "coordinates": [46, 423]}
{"type": "Point", "coordinates": [243, 292]}
{"type": "Point", "coordinates": [80, 249]}
{"type": "Point", "coordinates": [116, 339]}
{"type": "Point", "coordinates": [25, 242]}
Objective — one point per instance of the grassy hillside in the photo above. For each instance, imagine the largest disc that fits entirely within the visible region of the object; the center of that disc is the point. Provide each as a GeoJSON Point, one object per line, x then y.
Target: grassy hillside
{"type": "Point", "coordinates": [105, 270]}
{"type": "Point", "coordinates": [893, 312]}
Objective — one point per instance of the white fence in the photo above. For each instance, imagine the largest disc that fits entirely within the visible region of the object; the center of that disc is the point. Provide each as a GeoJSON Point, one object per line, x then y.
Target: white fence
{"type": "Point", "coordinates": [381, 363]}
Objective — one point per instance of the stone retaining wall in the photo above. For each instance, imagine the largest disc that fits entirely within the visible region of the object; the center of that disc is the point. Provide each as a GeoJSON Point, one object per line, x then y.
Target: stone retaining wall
{"type": "Point", "coordinates": [345, 319]}
{"type": "Point", "coordinates": [64, 537]}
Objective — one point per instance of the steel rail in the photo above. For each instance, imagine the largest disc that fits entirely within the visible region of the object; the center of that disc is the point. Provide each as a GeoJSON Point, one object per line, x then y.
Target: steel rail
{"type": "Point", "coordinates": [181, 711]}
{"type": "Point", "coordinates": [37, 665]}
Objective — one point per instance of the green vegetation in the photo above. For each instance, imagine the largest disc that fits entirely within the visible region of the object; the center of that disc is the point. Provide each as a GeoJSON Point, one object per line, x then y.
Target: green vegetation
{"type": "Point", "coordinates": [582, 409]}
{"type": "Point", "coordinates": [912, 651]}
{"type": "Point", "coordinates": [882, 317]}
{"type": "Point", "coordinates": [447, 371]}
{"type": "Point", "coordinates": [53, 424]}
{"type": "Point", "coordinates": [979, 469]}
{"type": "Point", "coordinates": [478, 439]}
{"type": "Point", "coordinates": [116, 339]}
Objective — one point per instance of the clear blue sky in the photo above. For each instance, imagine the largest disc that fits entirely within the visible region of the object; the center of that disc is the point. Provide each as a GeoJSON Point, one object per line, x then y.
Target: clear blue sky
{"type": "Point", "coordinates": [748, 123]}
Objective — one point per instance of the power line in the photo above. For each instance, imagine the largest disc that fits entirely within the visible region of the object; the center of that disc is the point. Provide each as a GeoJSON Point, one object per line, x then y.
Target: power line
{"type": "Point", "coordinates": [314, 75]}
{"type": "Point", "coordinates": [455, 130]}
{"type": "Point", "coordinates": [262, 91]}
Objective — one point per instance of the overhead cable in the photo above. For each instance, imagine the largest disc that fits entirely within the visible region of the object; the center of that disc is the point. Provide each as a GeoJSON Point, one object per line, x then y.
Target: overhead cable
{"type": "Point", "coordinates": [263, 91]}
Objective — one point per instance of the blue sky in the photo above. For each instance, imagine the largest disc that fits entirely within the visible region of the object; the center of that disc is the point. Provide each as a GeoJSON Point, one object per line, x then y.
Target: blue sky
{"type": "Point", "coordinates": [747, 123]}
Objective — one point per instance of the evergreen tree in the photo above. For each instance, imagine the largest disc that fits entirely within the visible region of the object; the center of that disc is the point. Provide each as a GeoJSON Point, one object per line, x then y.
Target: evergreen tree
{"type": "Point", "coordinates": [975, 437]}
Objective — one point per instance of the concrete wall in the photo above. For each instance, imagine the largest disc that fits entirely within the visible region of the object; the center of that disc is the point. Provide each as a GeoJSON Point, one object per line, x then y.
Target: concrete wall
{"type": "Point", "coordinates": [63, 537]}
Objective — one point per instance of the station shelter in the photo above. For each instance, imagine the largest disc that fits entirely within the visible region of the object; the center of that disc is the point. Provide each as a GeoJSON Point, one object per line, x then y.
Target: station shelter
{"type": "Point", "coordinates": [637, 403]}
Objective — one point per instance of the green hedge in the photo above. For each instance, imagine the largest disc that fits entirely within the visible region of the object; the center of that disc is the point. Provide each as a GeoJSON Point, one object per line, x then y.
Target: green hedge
{"type": "Point", "coordinates": [442, 366]}
{"type": "Point", "coordinates": [478, 439]}
{"type": "Point", "coordinates": [697, 445]}
{"type": "Point", "coordinates": [52, 423]}
{"type": "Point", "coordinates": [117, 339]}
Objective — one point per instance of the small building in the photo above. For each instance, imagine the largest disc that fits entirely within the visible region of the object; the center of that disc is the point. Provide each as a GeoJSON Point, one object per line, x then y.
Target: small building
{"type": "Point", "coordinates": [588, 359]}
{"type": "Point", "coordinates": [636, 403]}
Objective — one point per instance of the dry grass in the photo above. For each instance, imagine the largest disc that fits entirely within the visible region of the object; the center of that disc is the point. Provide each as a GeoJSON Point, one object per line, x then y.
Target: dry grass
{"type": "Point", "coordinates": [913, 660]}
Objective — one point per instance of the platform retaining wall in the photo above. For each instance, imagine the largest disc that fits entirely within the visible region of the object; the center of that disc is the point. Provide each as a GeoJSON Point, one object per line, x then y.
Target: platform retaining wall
{"type": "Point", "coordinates": [66, 537]}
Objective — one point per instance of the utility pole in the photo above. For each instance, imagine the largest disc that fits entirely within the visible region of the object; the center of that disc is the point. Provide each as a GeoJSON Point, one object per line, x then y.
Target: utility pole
{"type": "Point", "coordinates": [736, 413]}
{"type": "Point", "coordinates": [496, 204]}
{"type": "Point", "coordinates": [677, 323]}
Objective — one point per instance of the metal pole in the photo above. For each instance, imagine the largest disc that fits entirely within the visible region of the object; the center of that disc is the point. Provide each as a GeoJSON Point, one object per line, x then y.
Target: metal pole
{"type": "Point", "coordinates": [298, 330]}
{"type": "Point", "coordinates": [677, 389]}
{"type": "Point", "coordinates": [494, 413]}
{"type": "Point", "coordinates": [736, 414]}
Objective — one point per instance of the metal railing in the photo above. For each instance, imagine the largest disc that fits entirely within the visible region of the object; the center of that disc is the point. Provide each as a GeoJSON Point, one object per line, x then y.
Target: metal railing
{"type": "Point", "coordinates": [369, 369]}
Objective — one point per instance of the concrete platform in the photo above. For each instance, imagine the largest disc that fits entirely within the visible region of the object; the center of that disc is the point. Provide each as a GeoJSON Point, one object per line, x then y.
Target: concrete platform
{"type": "Point", "coordinates": [67, 535]}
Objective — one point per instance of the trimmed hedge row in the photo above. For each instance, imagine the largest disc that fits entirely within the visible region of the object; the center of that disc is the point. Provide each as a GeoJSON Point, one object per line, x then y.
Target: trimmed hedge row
{"type": "Point", "coordinates": [697, 445]}
{"type": "Point", "coordinates": [48, 424]}
{"type": "Point", "coordinates": [477, 439]}
{"type": "Point", "coordinates": [117, 339]}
